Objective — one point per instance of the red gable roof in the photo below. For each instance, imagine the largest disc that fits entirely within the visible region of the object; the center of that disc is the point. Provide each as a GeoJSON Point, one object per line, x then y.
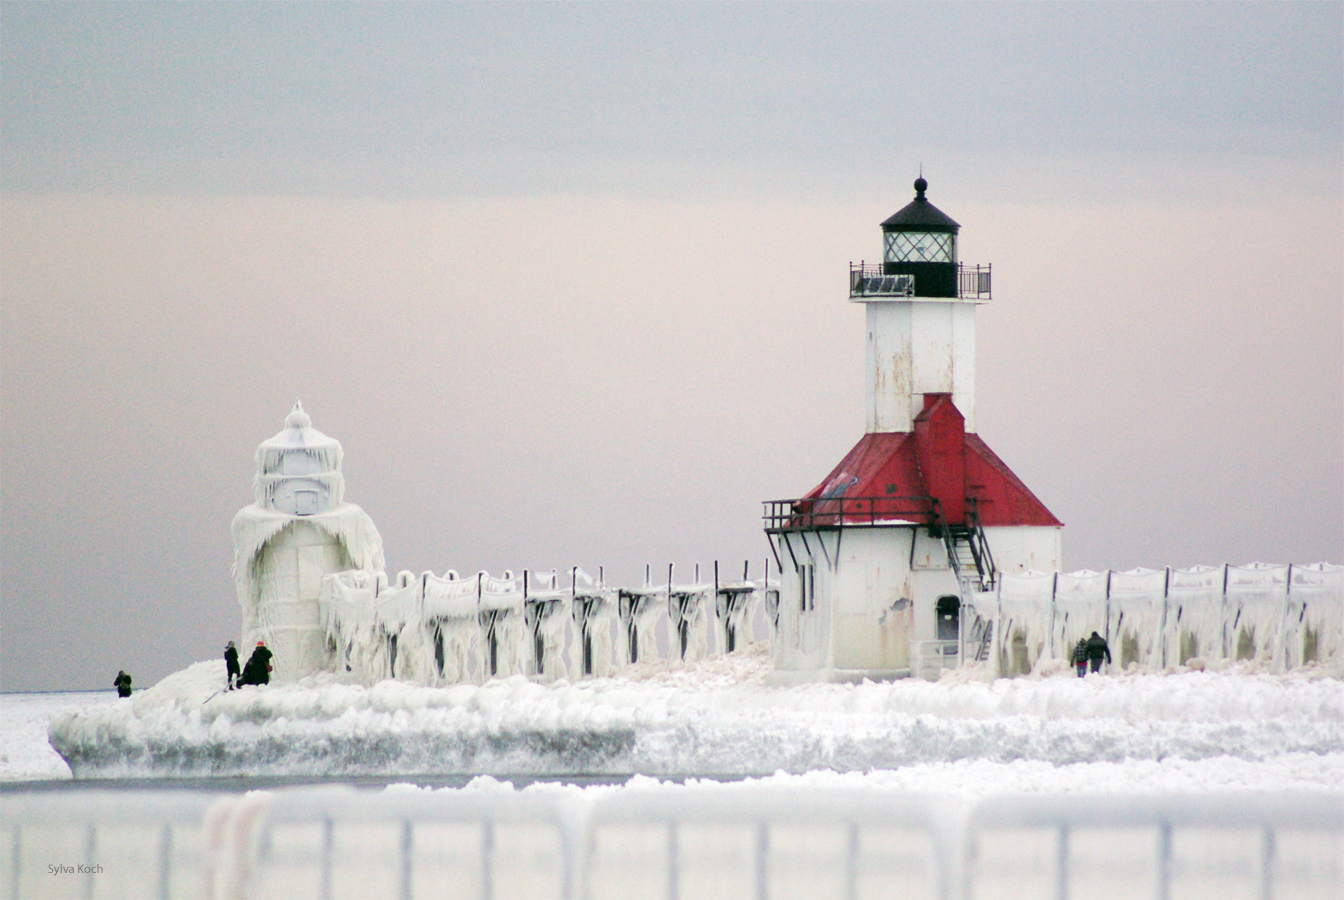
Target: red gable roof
{"type": "Point", "coordinates": [893, 475]}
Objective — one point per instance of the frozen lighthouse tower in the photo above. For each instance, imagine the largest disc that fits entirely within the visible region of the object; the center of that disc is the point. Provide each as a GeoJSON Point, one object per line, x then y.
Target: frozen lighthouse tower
{"type": "Point", "coordinates": [298, 530]}
{"type": "Point", "coordinates": [880, 557]}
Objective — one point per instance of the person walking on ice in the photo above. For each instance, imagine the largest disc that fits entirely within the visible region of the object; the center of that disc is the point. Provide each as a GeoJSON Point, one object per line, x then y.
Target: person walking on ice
{"type": "Point", "coordinates": [1079, 657]}
{"type": "Point", "coordinates": [231, 664]}
{"type": "Point", "coordinates": [122, 683]}
{"type": "Point", "coordinates": [1096, 650]}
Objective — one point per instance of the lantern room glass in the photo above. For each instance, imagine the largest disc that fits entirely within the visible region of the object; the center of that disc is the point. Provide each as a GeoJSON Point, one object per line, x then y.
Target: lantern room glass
{"type": "Point", "coordinates": [920, 246]}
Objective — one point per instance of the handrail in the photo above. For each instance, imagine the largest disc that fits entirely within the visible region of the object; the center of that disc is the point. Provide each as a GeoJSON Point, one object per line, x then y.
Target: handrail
{"type": "Point", "coordinates": [872, 281]}
{"type": "Point", "coordinates": [810, 513]}
{"type": "Point", "coordinates": [973, 282]}
{"type": "Point", "coordinates": [989, 574]}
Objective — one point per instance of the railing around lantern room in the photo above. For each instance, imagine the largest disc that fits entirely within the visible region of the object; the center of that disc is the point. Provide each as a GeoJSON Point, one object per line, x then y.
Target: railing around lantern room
{"type": "Point", "coordinates": [973, 282]}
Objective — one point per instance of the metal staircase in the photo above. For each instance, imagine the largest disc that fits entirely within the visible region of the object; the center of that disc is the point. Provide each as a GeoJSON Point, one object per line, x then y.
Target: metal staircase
{"type": "Point", "coordinates": [972, 563]}
{"type": "Point", "coordinates": [982, 638]}
{"type": "Point", "coordinates": [968, 551]}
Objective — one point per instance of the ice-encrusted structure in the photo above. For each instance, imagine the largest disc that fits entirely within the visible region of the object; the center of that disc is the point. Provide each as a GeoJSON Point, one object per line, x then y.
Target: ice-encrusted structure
{"type": "Point", "coordinates": [298, 530]}
{"type": "Point", "coordinates": [309, 569]}
{"type": "Point", "coordinates": [1276, 616]}
{"type": "Point", "coordinates": [448, 629]}
{"type": "Point", "coordinates": [714, 717]}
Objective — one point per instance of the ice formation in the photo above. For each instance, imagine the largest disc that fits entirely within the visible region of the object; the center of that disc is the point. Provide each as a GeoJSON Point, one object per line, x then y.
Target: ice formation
{"type": "Point", "coordinates": [714, 717]}
{"type": "Point", "coordinates": [448, 629]}
{"type": "Point", "coordinates": [298, 530]}
{"type": "Point", "coordinates": [1280, 616]}
{"type": "Point", "coordinates": [560, 672]}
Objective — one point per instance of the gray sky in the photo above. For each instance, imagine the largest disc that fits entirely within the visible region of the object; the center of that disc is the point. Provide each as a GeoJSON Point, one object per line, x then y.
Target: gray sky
{"type": "Point", "coordinates": [569, 281]}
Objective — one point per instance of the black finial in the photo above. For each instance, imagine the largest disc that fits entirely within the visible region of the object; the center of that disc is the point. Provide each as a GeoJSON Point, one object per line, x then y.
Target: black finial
{"type": "Point", "coordinates": [920, 187]}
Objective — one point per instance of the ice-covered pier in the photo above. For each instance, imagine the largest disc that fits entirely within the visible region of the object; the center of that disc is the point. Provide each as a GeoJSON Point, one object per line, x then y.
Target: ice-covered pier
{"type": "Point", "coordinates": [449, 629]}
{"type": "Point", "coordinates": [1277, 616]}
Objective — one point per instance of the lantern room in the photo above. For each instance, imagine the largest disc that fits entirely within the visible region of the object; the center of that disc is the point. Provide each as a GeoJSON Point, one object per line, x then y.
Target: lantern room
{"type": "Point", "coordinates": [921, 240]}
{"type": "Point", "coordinates": [919, 258]}
{"type": "Point", "coordinates": [299, 470]}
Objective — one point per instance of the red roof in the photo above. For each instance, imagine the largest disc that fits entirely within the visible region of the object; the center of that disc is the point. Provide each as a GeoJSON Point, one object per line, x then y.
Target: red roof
{"type": "Point", "coordinates": [893, 475]}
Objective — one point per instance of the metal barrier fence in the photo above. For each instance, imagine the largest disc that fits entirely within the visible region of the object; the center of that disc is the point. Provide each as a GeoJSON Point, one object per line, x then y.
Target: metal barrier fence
{"type": "Point", "coordinates": [704, 840]}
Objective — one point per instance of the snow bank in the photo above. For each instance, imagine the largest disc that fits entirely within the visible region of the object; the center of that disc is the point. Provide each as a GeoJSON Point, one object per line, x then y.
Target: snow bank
{"type": "Point", "coordinates": [715, 718]}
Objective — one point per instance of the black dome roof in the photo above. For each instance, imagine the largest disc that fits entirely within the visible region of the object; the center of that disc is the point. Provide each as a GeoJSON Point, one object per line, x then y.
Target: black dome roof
{"type": "Point", "coordinates": [921, 215]}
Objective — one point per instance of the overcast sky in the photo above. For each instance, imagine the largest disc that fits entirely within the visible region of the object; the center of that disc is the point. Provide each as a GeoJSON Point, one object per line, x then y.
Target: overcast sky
{"type": "Point", "coordinates": [569, 281]}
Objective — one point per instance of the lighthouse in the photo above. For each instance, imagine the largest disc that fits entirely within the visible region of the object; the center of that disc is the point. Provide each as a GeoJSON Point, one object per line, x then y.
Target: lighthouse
{"type": "Point", "coordinates": [298, 530]}
{"type": "Point", "coordinates": [879, 559]}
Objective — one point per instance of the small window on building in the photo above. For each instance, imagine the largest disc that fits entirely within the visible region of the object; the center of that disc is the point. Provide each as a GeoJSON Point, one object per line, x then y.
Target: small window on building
{"type": "Point", "coordinates": [807, 587]}
{"type": "Point", "coordinates": [305, 503]}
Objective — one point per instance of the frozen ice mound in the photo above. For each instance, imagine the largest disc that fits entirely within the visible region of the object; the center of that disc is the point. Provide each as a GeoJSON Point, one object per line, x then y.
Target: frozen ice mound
{"type": "Point", "coordinates": [713, 719]}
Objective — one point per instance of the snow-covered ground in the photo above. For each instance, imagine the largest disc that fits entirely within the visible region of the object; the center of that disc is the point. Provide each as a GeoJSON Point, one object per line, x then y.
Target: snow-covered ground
{"type": "Point", "coordinates": [718, 718]}
{"type": "Point", "coordinates": [1193, 783]}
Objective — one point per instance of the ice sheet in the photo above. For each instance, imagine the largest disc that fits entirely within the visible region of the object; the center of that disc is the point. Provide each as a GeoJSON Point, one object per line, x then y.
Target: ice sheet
{"type": "Point", "coordinates": [25, 753]}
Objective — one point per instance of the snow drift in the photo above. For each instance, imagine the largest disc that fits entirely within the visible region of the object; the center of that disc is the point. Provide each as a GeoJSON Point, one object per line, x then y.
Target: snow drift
{"type": "Point", "coordinates": [715, 718]}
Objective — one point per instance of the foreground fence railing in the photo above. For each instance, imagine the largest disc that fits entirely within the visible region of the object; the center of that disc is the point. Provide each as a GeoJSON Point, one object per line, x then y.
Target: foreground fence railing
{"type": "Point", "coordinates": [725, 840]}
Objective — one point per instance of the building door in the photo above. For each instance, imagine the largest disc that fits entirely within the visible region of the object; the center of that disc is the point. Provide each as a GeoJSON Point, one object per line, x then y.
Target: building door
{"type": "Point", "coordinates": [949, 612]}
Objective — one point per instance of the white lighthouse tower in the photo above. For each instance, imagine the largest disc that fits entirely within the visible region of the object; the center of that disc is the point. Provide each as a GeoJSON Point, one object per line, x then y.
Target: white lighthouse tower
{"type": "Point", "coordinates": [298, 530]}
{"type": "Point", "coordinates": [878, 558]}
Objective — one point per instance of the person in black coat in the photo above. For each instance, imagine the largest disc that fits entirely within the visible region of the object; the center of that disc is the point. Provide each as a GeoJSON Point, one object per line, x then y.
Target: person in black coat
{"type": "Point", "coordinates": [231, 663]}
{"type": "Point", "coordinates": [258, 668]}
{"type": "Point", "coordinates": [1096, 650]}
{"type": "Point", "coordinates": [122, 683]}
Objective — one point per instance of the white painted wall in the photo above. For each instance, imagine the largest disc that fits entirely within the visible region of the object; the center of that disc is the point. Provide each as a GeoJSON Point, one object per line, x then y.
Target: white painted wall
{"type": "Point", "coordinates": [875, 600]}
{"type": "Point", "coordinates": [887, 367]}
{"type": "Point", "coordinates": [1021, 548]}
{"type": "Point", "coordinates": [803, 639]}
{"type": "Point", "coordinates": [916, 347]}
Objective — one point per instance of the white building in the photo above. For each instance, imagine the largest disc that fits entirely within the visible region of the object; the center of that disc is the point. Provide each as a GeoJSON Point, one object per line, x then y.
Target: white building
{"type": "Point", "coordinates": [298, 530]}
{"type": "Point", "coordinates": [878, 557]}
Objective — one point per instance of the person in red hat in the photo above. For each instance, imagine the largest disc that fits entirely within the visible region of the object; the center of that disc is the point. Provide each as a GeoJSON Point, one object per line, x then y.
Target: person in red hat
{"type": "Point", "coordinates": [258, 668]}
